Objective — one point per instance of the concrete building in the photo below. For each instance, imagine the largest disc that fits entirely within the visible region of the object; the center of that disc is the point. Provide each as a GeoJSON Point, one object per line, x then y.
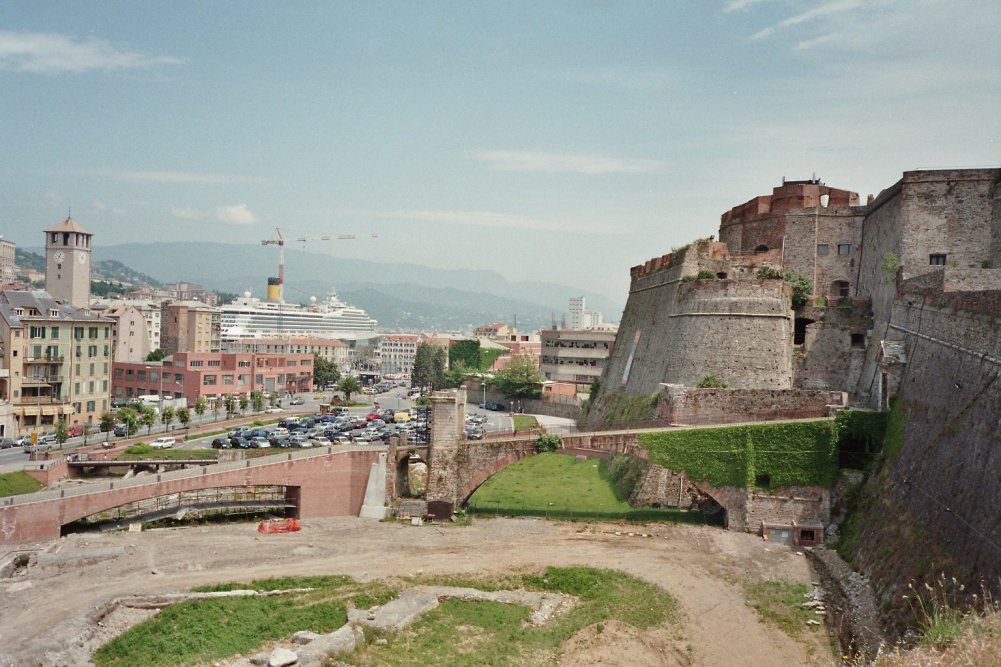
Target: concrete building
{"type": "Point", "coordinates": [7, 265]}
{"type": "Point", "coordinates": [56, 363]}
{"type": "Point", "coordinates": [189, 326]}
{"type": "Point", "coordinates": [148, 309]}
{"type": "Point", "coordinates": [211, 375]}
{"type": "Point", "coordinates": [185, 291]}
{"type": "Point", "coordinates": [573, 356]}
{"type": "Point", "coordinates": [326, 348]}
{"type": "Point", "coordinates": [67, 263]}
{"type": "Point", "coordinates": [579, 317]}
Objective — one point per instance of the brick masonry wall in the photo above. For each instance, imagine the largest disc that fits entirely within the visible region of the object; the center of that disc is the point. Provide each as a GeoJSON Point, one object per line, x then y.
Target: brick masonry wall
{"type": "Point", "coordinates": [690, 406]}
{"type": "Point", "coordinates": [786, 505]}
{"type": "Point", "coordinates": [739, 331]}
{"type": "Point", "coordinates": [936, 503]}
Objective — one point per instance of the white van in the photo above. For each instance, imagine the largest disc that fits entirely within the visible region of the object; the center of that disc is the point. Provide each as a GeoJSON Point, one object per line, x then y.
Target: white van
{"type": "Point", "coordinates": [165, 442]}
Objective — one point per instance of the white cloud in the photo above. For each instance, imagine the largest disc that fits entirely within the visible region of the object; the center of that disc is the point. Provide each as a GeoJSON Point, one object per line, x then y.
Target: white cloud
{"type": "Point", "coordinates": [44, 52]}
{"type": "Point", "coordinates": [808, 44]}
{"type": "Point", "coordinates": [739, 5]}
{"type": "Point", "coordinates": [103, 207]}
{"type": "Point", "coordinates": [184, 177]}
{"type": "Point", "coordinates": [237, 214]}
{"type": "Point", "coordinates": [820, 11]}
{"type": "Point", "coordinates": [557, 163]}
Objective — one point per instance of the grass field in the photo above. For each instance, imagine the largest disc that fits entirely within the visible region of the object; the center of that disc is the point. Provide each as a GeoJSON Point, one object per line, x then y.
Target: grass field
{"type": "Point", "coordinates": [16, 483]}
{"type": "Point", "coordinates": [141, 451]}
{"type": "Point", "coordinates": [524, 422]}
{"type": "Point", "coordinates": [455, 633]}
{"type": "Point", "coordinates": [557, 486]}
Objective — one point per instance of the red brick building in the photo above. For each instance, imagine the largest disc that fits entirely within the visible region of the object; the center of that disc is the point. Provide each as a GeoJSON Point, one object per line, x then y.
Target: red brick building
{"type": "Point", "coordinates": [213, 374]}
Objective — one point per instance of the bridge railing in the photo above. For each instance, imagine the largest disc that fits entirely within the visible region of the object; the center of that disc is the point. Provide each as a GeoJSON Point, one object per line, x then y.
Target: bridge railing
{"type": "Point", "coordinates": [214, 469]}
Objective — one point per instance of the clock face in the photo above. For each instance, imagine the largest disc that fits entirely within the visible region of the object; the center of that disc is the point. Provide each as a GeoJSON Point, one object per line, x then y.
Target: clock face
{"type": "Point", "coordinates": [81, 258]}
{"type": "Point", "coordinates": [59, 256]}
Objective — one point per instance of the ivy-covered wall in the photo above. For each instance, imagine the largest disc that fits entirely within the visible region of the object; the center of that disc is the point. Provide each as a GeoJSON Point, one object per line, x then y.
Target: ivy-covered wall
{"type": "Point", "coordinates": [760, 455]}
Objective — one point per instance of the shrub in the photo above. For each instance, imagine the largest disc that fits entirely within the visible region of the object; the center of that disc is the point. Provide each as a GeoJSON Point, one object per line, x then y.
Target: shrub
{"type": "Point", "coordinates": [768, 273]}
{"type": "Point", "coordinates": [706, 274]}
{"type": "Point", "coordinates": [689, 278]}
{"type": "Point", "coordinates": [547, 442]}
{"type": "Point", "coordinates": [711, 382]}
{"type": "Point", "coordinates": [626, 472]}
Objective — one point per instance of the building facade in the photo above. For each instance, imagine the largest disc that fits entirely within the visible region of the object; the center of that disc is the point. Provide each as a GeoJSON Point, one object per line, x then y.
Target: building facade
{"type": "Point", "coordinates": [574, 356]}
{"type": "Point", "coordinates": [579, 317]}
{"type": "Point", "coordinates": [212, 375]}
{"type": "Point", "coordinates": [8, 273]}
{"type": "Point", "coordinates": [396, 354]}
{"type": "Point", "coordinates": [325, 348]}
{"type": "Point", "coordinates": [190, 326]}
{"type": "Point", "coordinates": [56, 363]}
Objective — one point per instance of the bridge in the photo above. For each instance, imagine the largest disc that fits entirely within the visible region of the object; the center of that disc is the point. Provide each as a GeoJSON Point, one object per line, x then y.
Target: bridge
{"type": "Point", "coordinates": [318, 482]}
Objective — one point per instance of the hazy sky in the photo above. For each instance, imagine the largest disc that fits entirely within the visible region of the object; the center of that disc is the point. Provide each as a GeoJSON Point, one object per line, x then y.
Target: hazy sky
{"type": "Point", "coordinates": [555, 140]}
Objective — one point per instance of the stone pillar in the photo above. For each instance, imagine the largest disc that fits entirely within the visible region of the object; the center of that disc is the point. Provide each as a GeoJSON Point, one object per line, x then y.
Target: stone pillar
{"type": "Point", "coordinates": [443, 484]}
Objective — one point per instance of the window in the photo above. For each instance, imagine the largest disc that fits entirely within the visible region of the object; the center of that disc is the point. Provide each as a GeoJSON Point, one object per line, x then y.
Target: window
{"type": "Point", "coordinates": [214, 362]}
{"type": "Point", "coordinates": [937, 260]}
{"type": "Point", "coordinates": [858, 341]}
{"type": "Point", "coordinates": [209, 380]}
{"type": "Point", "coordinates": [54, 333]}
{"type": "Point", "coordinates": [92, 332]}
{"type": "Point", "coordinates": [78, 333]}
{"type": "Point", "coordinates": [194, 364]}
{"type": "Point", "coordinates": [844, 249]}
{"type": "Point", "coordinates": [822, 249]}
{"type": "Point", "coordinates": [90, 406]}
{"type": "Point", "coordinates": [36, 351]}
{"type": "Point", "coordinates": [227, 379]}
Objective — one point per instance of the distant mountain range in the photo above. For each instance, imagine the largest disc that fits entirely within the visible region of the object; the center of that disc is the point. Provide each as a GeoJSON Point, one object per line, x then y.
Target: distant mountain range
{"type": "Point", "coordinates": [399, 296]}
{"type": "Point", "coordinates": [106, 269]}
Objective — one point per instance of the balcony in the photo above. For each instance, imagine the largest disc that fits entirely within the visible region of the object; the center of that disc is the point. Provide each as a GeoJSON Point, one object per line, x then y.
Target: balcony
{"type": "Point", "coordinates": [43, 380]}
{"type": "Point", "coordinates": [45, 359]}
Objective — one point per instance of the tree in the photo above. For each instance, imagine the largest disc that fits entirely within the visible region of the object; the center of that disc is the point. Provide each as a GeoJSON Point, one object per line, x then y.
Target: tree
{"type": "Point", "coordinates": [457, 372]}
{"type": "Point", "coordinates": [155, 355]}
{"type": "Point", "coordinates": [348, 385]}
{"type": "Point", "coordinates": [244, 402]}
{"type": "Point", "coordinates": [184, 416]}
{"type": "Point", "coordinates": [128, 417]}
{"type": "Point", "coordinates": [107, 424]}
{"type": "Point", "coordinates": [324, 372]}
{"type": "Point", "coordinates": [229, 400]}
{"type": "Point", "coordinates": [147, 417]}
{"type": "Point", "coordinates": [200, 406]}
{"type": "Point", "coordinates": [216, 405]}
{"type": "Point", "coordinates": [428, 373]}
{"type": "Point", "coordinates": [519, 378]}
{"type": "Point", "coordinates": [273, 399]}
{"type": "Point", "coordinates": [167, 416]}
{"type": "Point", "coordinates": [62, 432]}
{"type": "Point", "coordinates": [257, 400]}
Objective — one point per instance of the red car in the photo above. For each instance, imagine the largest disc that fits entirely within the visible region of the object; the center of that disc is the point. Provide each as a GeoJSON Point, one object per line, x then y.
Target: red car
{"type": "Point", "coordinates": [75, 430]}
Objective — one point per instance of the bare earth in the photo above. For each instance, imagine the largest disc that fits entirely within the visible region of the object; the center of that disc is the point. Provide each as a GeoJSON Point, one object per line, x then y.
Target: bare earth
{"type": "Point", "coordinates": [47, 613]}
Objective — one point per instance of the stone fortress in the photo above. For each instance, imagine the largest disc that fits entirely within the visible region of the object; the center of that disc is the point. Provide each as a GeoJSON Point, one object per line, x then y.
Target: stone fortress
{"type": "Point", "coordinates": [904, 304]}
{"type": "Point", "coordinates": [708, 310]}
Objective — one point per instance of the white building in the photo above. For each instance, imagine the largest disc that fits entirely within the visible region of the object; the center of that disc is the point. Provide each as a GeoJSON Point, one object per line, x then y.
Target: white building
{"type": "Point", "coordinates": [579, 317]}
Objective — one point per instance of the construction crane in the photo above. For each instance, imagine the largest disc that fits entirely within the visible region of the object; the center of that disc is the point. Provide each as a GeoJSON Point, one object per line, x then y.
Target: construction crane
{"type": "Point", "coordinates": [327, 237]}
{"type": "Point", "coordinates": [275, 285]}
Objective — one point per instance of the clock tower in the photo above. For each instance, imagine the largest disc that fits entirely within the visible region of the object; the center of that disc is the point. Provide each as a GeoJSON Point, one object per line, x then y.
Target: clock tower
{"type": "Point", "coordinates": [67, 263]}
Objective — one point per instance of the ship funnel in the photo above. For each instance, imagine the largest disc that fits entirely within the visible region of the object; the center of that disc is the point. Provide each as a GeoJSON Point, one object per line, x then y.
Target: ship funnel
{"type": "Point", "coordinates": [274, 290]}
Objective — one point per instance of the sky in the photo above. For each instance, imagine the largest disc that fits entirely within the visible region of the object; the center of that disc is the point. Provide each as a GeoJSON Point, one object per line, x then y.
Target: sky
{"type": "Point", "coordinates": [557, 141]}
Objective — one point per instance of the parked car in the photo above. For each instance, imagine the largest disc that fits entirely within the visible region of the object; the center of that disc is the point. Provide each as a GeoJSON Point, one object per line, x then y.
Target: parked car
{"type": "Point", "coordinates": [318, 441]}
{"type": "Point", "coordinates": [279, 432]}
{"type": "Point", "coordinates": [239, 442]}
{"type": "Point", "coordinates": [272, 409]}
{"type": "Point", "coordinates": [259, 441]}
{"type": "Point", "coordinates": [40, 447]}
{"type": "Point", "coordinates": [74, 431]}
{"type": "Point", "coordinates": [238, 431]}
{"type": "Point", "coordinates": [297, 400]}
{"type": "Point", "coordinates": [6, 443]}
{"type": "Point", "coordinates": [221, 443]}
{"type": "Point", "coordinates": [280, 441]}
{"type": "Point", "coordinates": [121, 430]}
{"type": "Point", "coordinates": [474, 433]}
{"type": "Point", "coordinates": [298, 439]}
{"type": "Point", "coordinates": [165, 442]}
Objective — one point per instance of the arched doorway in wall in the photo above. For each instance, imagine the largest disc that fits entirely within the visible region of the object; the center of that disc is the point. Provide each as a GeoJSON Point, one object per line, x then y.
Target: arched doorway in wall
{"type": "Point", "coordinates": [761, 248]}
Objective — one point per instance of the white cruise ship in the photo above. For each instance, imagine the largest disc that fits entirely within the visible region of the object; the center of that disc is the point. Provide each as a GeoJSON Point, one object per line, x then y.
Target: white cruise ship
{"type": "Point", "coordinates": [250, 317]}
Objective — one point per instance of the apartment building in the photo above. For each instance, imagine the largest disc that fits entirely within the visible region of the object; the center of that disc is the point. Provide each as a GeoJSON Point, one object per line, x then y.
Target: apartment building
{"type": "Point", "coordinates": [397, 353]}
{"type": "Point", "coordinates": [190, 326]}
{"type": "Point", "coordinates": [579, 357]}
{"type": "Point", "coordinates": [56, 363]}
{"type": "Point", "coordinates": [326, 348]}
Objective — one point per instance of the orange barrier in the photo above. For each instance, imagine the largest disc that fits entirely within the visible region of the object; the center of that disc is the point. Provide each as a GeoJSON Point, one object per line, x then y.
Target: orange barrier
{"type": "Point", "coordinates": [279, 526]}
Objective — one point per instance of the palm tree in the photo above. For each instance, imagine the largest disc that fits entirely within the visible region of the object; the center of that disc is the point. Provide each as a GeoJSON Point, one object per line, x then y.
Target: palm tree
{"type": "Point", "coordinates": [348, 385]}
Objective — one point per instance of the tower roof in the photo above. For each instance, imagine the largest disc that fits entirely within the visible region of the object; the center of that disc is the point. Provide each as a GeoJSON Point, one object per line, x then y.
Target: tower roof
{"type": "Point", "coordinates": [69, 225]}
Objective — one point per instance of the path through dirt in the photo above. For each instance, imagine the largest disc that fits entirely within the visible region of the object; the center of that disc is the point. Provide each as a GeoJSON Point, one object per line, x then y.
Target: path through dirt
{"type": "Point", "coordinates": [47, 613]}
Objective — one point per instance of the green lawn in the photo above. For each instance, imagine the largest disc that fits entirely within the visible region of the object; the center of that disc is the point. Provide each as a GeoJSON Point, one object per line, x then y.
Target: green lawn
{"type": "Point", "coordinates": [140, 452]}
{"type": "Point", "coordinates": [16, 483]}
{"type": "Point", "coordinates": [558, 486]}
{"type": "Point", "coordinates": [525, 423]}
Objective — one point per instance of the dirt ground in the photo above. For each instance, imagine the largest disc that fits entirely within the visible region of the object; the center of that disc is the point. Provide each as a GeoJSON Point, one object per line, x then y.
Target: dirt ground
{"type": "Point", "coordinates": [48, 611]}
